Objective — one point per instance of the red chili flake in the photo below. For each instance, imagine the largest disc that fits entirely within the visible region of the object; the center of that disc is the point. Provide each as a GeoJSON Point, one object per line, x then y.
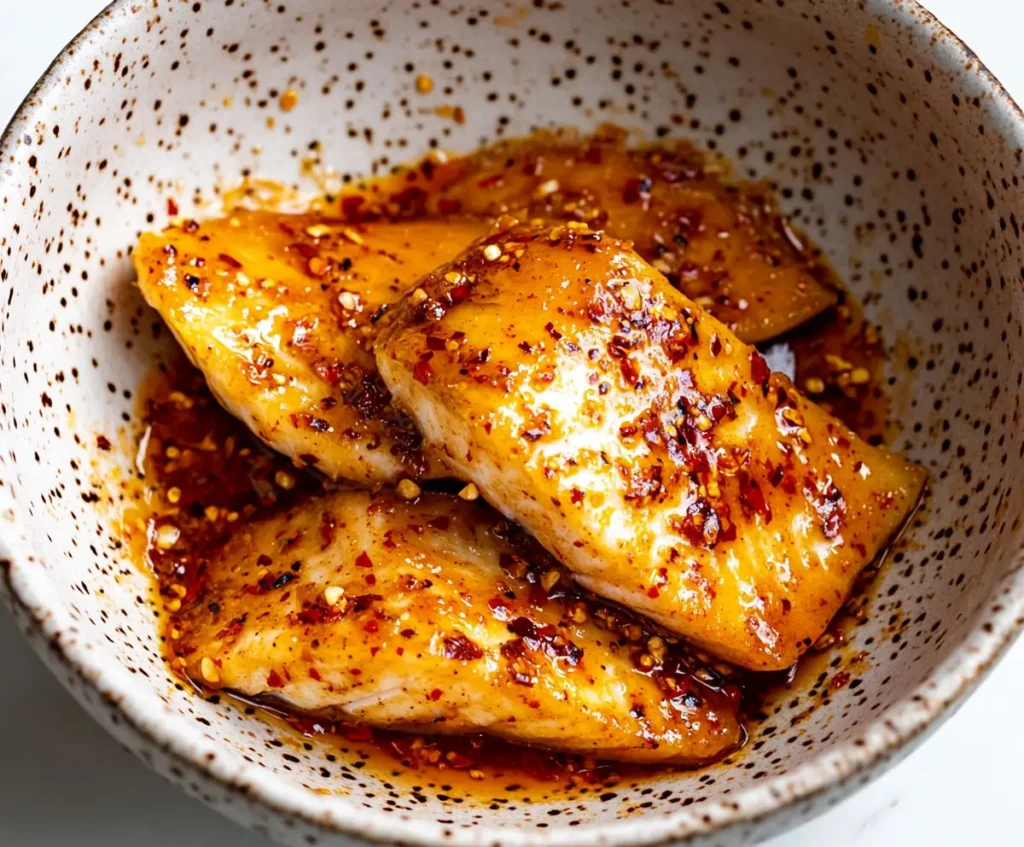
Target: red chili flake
{"type": "Point", "coordinates": [759, 370]}
{"type": "Point", "coordinates": [330, 371]}
{"type": "Point", "coordinates": [358, 733]}
{"type": "Point", "coordinates": [538, 428]}
{"type": "Point", "coordinates": [752, 497]}
{"type": "Point", "coordinates": [717, 408]}
{"type": "Point", "coordinates": [642, 483]}
{"type": "Point", "coordinates": [459, 647]}
{"type": "Point", "coordinates": [327, 527]}
{"type": "Point", "coordinates": [491, 181]}
{"type": "Point", "coordinates": [274, 680]}
{"type": "Point", "coordinates": [172, 207]}
{"type": "Point", "coordinates": [436, 694]}
{"type": "Point", "coordinates": [597, 310]}
{"type": "Point", "coordinates": [370, 579]}
{"type": "Point", "coordinates": [313, 614]}
{"type": "Point", "coordinates": [546, 638]}
{"type": "Point", "coordinates": [371, 626]}
{"type": "Point", "coordinates": [458, 293]}
{"type": "Point", "coordinates": [828, 502]}
{"type": "Point", "coordinates": [370, 397]}
{"type": "Point", "coordinates": [363, 560]}
{"type": "Point", "coordinates": [103, 442]}
{"type": "Point", "coordinates": [700, 525]}
{"type": "Point", "coordinates": [314, 674]}
{"type": "Point", "coordinates": [652, 592]}
{"type": "Point", "coordinates": [840, 680]}
{"type": "Point", "coordinates": [422, 372]}
{"type": "Point", "coordinates": [716, 345]}
{"type": "Point", "coordinates": [263, 560]}
{"type": "Point", "coordinates": [439, 523]}
{"type": "Point", "coordinates": [230, 261]}
{"type": "Point", "coordinates": [232, 629]}
{"type": "Point", "coordinates": [554, 333]}
{"type": "Point", "coordinates": [576, 496]}
{"type": "Point", "coordinates": [364, 601]}
{"type": "Point", "coordinates": [374, 651]}
{"type": "Point", "coordinates": [521, 668]}
{"type": "Point", "coordinates": [630, 372]}
{"type": "Point", "coordinates": [400, 650]}
{"type": "Point", "coordinates": [458, 761]}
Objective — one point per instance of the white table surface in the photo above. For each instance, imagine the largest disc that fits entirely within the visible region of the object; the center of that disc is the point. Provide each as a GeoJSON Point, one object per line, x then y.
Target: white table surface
{"type": "Point", "coordinates": [63, 781]}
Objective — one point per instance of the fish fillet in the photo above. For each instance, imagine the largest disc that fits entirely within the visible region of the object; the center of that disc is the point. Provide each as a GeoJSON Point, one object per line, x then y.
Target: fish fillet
{"type": "Point", "coordinates": [421, 616]}
{"type": "Point", "coordinates": [641, 442]}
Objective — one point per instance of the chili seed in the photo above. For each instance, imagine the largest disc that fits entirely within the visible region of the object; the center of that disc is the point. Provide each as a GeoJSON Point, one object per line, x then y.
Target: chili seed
{"type": "Point", "coordinates": [284, 480]}
{"type": "Point", "coordinates": [209, 670]}
{"type": "Point", "coordinates": [167, 536]}
{"type": "Point", "coordinates": [408, 490]}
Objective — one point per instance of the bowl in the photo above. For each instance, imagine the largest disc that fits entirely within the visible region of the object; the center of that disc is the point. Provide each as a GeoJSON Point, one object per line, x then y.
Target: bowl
{"type": "Point", "coordinates": [890, 144]}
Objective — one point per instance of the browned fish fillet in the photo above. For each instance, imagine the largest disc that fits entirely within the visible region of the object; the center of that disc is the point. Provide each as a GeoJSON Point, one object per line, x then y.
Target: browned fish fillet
{"type": "Point", "coordinates": [640, 441]}
{"type": "Point", "coordinates": [417, 615]}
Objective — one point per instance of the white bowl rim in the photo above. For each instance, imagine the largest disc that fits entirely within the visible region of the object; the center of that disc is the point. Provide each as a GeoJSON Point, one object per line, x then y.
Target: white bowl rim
{"type": "Point", "coordinates": [49, 625]}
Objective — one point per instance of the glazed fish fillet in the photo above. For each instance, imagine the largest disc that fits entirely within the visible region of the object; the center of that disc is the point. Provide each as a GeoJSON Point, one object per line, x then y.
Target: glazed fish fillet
{"type": "Point", "coordinates": [418, 615]}
{"type": "Point", "coordinates": [641, 442]}
{"type": "Point", "coordinates": [277, 312]}
{"type": "Point", "coordinates": [725, 246]}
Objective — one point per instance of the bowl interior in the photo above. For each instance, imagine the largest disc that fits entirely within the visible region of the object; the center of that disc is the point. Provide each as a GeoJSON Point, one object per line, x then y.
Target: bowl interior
{"type": "Point", "coordinates": [887, 146]}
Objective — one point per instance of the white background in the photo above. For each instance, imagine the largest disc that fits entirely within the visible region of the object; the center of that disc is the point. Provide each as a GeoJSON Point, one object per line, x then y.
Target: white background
{"type": "Point", "coordinates": [63, 781]}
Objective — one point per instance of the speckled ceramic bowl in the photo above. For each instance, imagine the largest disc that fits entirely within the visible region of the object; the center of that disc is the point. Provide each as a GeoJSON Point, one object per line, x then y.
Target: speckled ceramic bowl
{"type": "Point", "coordinates": [890, 143]}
